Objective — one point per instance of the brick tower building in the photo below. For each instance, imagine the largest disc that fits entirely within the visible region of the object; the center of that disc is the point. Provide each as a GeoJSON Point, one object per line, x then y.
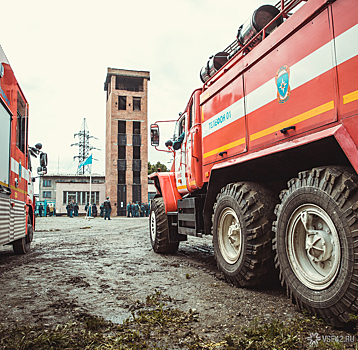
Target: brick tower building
{"type": "Point", "coordinates": [126, 137]}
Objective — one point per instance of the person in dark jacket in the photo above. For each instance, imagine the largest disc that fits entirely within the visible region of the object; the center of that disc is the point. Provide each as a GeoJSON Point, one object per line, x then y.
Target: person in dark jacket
{"type": "Point", "coordinates": [136, 210]}
{"type": "Point", "coordinates": [94, 210]}
{"type": "Point", "coordinates": [88, 209]}
{"type": "Point", "coordinates": [41, 208]}
{"type": "Point", "coordinates": [107, 209]}
{"type": "Point", "coordinates": [129, 209]}
{"type": "Point", "coordinates": [101, 213]}
{"type": "Point", "coordinates": [70, 209]}
{"type": "Point", "coordinates": [75, 209]}
{"type": "Point", "coordinates": [142, 210]}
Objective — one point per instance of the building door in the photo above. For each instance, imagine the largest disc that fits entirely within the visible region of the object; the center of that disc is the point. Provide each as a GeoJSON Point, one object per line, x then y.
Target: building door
{"type": "Point", "coordinates": [137, 194]}
{"type": "Point", "coordinates": [121, 200]}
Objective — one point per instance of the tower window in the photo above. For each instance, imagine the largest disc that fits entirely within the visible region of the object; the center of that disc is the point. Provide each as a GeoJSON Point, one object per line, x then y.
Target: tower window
{"type": "Point", "coordinates": [136, 128]}
{"type": "Point", "coordinates": [121, 152]}
{"type": "Point", "coordinates": [136, 103]}
{"type": "Point", "coordinates": [121, 126]}
{"type": "Point", "coordinates": [129, 83]}
{"type": "Point", "coordinates": [136, 152]}
{"type": "Point", "coordinates": [136, 177]}
{"type": "Point", "coordinates": [122, 103]}
{"type": "Point", "coordinates": [121, 177]}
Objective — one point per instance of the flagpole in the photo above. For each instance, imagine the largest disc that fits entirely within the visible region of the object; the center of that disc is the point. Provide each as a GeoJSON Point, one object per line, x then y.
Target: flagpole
{"type": "Point", "coordinates": [91, 187]}
{"type": "Point", "coordinates": [88, 162]}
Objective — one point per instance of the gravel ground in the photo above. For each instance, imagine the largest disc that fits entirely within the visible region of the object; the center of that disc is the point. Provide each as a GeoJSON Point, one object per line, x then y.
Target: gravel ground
{"type": "Point", "coordinates": [102, 267]}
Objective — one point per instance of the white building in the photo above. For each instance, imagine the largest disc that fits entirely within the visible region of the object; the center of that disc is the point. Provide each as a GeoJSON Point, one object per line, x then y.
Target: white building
{"type": "Point", "coordinates": [60, 189]}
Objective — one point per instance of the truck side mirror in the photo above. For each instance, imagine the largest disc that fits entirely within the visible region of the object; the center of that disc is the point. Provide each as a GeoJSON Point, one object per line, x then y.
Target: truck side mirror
{"type": "Point", "coordinates": [154, 135]}
{"type": "Point", "coordinates": [43, 159]}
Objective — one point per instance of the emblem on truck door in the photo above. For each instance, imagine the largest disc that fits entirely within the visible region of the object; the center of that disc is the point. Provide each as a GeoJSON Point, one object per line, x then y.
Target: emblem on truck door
{"type": "Point", "coordinates": [282, 80]}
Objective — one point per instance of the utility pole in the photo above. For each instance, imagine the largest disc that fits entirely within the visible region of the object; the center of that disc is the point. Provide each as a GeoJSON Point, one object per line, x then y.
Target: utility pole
{"type": "Point", "coordinates": [84, 147]}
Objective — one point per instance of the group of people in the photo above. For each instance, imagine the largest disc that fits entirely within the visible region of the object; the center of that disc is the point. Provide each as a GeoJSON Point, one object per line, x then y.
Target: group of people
{"type": "Point", "coordinates": [50, 210]}
{"type": "Point", "coordinates": [72, 209]}
{"type": "Point", "coordinates": [90, 209]}
{"type": "Point", "coordinates": [135, 210]}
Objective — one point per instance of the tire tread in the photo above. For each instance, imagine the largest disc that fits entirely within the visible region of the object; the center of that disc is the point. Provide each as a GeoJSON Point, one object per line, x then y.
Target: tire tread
{"type": "Point", "coordinates": [256, 205]}
{"type": "Point", "coordinates": [340, 183]}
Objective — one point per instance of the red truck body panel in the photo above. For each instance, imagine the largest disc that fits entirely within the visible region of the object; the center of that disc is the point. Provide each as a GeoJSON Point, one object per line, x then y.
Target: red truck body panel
{"type": "Point", "coordinates": [299, 85]}
{"type": "Point", "coordinates": [242, 110]}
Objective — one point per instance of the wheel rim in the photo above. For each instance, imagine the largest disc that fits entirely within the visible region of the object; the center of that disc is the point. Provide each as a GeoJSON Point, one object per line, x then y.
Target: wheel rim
{"type": "Point", "coordinates": [229, 235]}
{"type": "Point", "coordinates": [153, 225]}
{"type": "Point", "coordinates": [313, 246]}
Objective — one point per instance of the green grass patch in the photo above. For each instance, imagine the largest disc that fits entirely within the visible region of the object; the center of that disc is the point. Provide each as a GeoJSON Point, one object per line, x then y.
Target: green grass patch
{"type": "Point", "coordinates": [157, 324]}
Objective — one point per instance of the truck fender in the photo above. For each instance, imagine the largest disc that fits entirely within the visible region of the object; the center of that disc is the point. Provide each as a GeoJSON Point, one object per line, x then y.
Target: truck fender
{"type": "Point", "coordinates": [349, 147]}
{"type": "Point", "coordinates": [165, 184]}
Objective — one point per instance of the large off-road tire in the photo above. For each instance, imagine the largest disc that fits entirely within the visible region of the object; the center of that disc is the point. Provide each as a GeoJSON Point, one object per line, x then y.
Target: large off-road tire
{"type": "Point", "coordinates": [22, 245]}
{"type": "Point", "coordinates": [158, 228]}
{"type": "Point", "coordinates": [30, 230]}
{"type": "Point", "coordinates": [242, 236]}
{"type": "Point", "coordinates": [316, 242]}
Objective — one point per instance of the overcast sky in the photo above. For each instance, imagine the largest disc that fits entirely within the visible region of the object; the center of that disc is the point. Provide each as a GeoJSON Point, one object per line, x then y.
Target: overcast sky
{"type": "Point", "coordinates": [60, 52]}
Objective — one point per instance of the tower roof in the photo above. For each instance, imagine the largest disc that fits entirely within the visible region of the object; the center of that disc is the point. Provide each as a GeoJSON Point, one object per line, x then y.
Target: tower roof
{"type": "Point", "coordinates": [124, 73]}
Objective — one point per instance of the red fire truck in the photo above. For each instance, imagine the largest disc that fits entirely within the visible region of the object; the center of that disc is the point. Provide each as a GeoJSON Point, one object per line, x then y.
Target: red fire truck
{"type": "Point", "coordinates": [266, 159]}
{"type": "Point", "coordinates": [17, 203]}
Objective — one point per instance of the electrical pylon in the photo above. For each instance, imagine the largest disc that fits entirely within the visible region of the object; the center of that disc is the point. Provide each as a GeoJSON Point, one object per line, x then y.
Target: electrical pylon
{"type": "Point", "coordinates": [84, 147]}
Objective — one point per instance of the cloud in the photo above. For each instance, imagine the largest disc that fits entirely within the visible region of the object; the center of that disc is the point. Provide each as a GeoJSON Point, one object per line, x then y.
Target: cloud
{"type": "Point", "coordinates": [60, 52]}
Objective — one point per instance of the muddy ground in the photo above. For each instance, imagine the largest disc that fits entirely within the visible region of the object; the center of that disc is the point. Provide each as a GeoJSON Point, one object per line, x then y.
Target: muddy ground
{"type": "Point", "coordinates": [102, 267]}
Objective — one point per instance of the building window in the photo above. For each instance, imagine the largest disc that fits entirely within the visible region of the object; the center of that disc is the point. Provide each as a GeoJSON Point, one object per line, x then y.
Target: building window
{"type": "Point", "coordinates": [136, 103]}
{"type": "Point", "coordinates": [121, 127]}
{"type": "Point", "coordinates": [122, 103]}
{"type": "Point", "coordinates": [136, 152]}
{"type": "Point", "coordinates": [136, 177]}
{"type": "Point", "coordinates": [129, 84]}
{"type": "Point", "coordinates": [121, 152]}
{"type": "Point", "coordinates": [121, 177]}
{"type": "Point", "coordinates": [136, 194]}
{"type": "Point", "coordinates": [80, 197]}
{"type": "Point", "coordinates": [136, 128]}
{"type": "Point", "coordinates": [47, 183]}
{"type": "Point", "coordinates": [46, 194]}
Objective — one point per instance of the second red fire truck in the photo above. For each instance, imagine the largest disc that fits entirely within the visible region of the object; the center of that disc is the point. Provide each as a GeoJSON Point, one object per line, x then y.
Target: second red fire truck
{"type": "Point", "coordinates": [17, 202]}
{"type": "Point", "coordinates": [266, 157]}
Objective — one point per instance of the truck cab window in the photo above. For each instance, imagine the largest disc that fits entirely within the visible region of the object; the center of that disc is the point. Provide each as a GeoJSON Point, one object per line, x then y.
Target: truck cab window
{"type": "Point", "coordinates": [180, 135]}
{"type": "Point", "coordinates": [182, 125]}
{"type": "Point", "coordinates": [191, 115]}
{"type": "Point", "coordinates": [21, 126]}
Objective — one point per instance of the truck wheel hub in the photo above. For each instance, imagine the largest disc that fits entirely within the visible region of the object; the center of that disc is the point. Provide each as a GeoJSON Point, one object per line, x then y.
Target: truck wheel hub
{"type": "Point", "coordinates": [229, 235]}
{"type": "Point", "coordinates": [313, 247]}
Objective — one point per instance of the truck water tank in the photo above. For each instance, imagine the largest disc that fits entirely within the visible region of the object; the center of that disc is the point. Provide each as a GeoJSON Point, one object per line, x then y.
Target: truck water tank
{"type": "Point", "coordinates": [213, 65]}
{"type": "Point", "coordinates": [261, 17]}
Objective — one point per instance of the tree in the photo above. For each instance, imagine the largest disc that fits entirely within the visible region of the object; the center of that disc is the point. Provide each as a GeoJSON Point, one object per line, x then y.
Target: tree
{"type": "Point", "coordinates": [153, 168]}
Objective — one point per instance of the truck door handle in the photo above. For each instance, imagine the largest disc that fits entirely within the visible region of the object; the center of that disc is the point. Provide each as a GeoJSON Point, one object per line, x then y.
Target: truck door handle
{"type": "Point", "coordinates": [222, 153]}
{"type": "Point", "coordinates": [284, 130]}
